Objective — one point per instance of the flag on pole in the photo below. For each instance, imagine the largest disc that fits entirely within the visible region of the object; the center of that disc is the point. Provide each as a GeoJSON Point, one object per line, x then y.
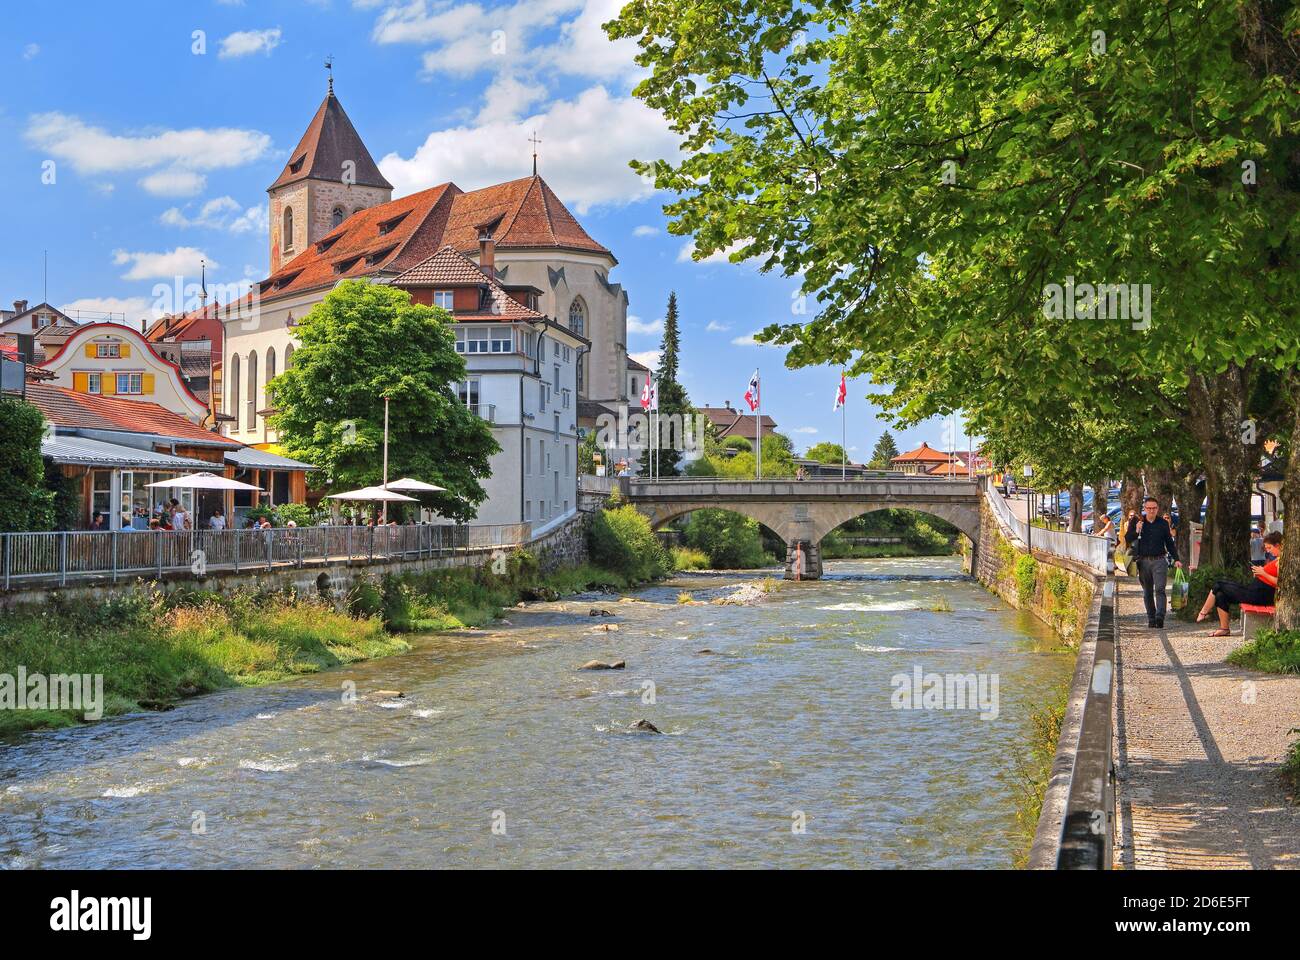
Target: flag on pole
{"type": "Point", "coordinates": [841, 394]}
{"type": "Point", "coordinates": [654, 395]}
{"type": "Point", "coordinates": [645, 393]}
{"type": "Point", "coordinates": [751, 395]}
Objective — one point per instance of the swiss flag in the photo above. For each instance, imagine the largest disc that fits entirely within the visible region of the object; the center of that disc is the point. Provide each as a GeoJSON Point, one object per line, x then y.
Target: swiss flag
{"type": "Point", "coordinates": [751, 395]}
{"type": "Point", "coordinates": [841, 394]}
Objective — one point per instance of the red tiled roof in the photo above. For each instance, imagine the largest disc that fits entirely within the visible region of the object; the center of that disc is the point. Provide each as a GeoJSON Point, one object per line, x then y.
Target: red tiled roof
{"type": "Point", "coordinates": [447, 268]}
{"type": "Point", "coordinates": [67, 408]}
{"type": "Point", "coordinates": [730, 422]}
{"type": "Point", "coordinates": [949, 468]}
{"type": "Point", "coordinates": [521, 213]}
{"type": "Point", "coordinates": [924, 452]}
{"type": "Point", "coordinates": [331, 141]}
{"type": "Point", "coordinates": [412, 227]}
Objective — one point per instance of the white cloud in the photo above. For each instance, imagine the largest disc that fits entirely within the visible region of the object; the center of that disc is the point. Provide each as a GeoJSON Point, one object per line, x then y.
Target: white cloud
{"type": "Point", "coordinates": [93, 150]}
{"type": "Point", "coordinates": [507, 97]}
{"type": "Point", "coordinates": [717, 327]}
{"type": "Point", "coordinates": [687, 253]}
{"type": "Point", "coordinates": [581, 161]}
{"type": "Point", "coordinates": [645, 231]}
{"type": "Point", "coordinates": [420, 22]}
{"type": "Point", "coordinates": [174, 182]}
{"type": "Point", "coordinates": [131, 308]}
{"type": "Point", "coordinates": [182, 261]}
{"type": "Point", "coordinates": [649, 358]}
{"type": "Point", "coordinates": [804, 430]}
{"type": "Point", "coordinates": [243, 43]}
{"type": "Point", "coordinates": [748, 341]}
{"type": "Point", "coordinates": [220, 213]}
{"type": "Point", "coordinates": [31, 51]}
{"type": "Point", "coordinates": [584, 49]}
{"type": "Point", "coordinates": [637, 325]}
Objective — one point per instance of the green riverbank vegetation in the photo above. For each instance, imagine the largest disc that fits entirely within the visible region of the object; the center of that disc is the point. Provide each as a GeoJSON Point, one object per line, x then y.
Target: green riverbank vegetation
{"type": "Point", "coordinates": [1033, 769]}
{"type": "Point", "coordinates": [915, 535]}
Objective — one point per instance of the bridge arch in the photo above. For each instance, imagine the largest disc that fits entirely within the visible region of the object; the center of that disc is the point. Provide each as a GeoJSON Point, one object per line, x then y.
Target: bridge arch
{"type": "Point", "coordinates": [965, 518]}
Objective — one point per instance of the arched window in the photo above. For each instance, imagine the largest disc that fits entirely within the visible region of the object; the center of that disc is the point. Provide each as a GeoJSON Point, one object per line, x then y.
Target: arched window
{"type": "Point", "coordinates": [337, 217]}
{"type": "Point", "coordinates": [233, 407]}
{"type": "Point", "coordinates": [578, 316]}
{"type": "Point", "coordinates": [288, 228]}
{"type": "Point", "coordinates": [270, 371]}
{"type": "Point", "coordinates": [252, 390]}
{"type": "Point", "coordinates": [288, 356]}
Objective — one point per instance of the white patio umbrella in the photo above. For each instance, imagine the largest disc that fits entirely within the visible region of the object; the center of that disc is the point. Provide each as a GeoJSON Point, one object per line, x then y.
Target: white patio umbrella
{"type": "Point", "coordinates": [370, 495]}
{"type": "Point", "coordinates": [414, 486]}
{"type": "Point", "coordinates": [205, 481]}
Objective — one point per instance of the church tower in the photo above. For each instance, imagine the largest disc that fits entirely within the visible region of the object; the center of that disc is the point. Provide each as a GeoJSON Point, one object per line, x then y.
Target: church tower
{"type": "Point", "coordinates": [330, 176]}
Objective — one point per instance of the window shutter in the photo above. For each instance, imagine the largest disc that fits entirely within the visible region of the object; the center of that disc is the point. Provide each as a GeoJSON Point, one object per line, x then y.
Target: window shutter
{"type": "Point", "coordinates": [147, 383]}
{"type": "Point", "coordinates": [108, 384]}
{"type": "Point", "coordinates": [91, 351]}
{"type": "Point", "coordinates": [124, 350]}
{"type": "Point", "coordinates": [81, 382]}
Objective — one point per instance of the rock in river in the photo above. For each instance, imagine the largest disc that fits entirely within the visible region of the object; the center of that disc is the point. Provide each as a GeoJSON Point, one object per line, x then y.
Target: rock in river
{"type": "Point", "coordinates": [602, 665]}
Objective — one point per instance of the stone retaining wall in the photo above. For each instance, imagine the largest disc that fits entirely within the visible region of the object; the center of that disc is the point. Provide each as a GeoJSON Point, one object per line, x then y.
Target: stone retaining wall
{"type": "Point", "coordinates": [1056, 590]}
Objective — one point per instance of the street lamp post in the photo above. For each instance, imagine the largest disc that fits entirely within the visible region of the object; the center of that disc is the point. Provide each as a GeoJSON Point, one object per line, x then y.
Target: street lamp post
{"type": "Point", "coordinates": [385, 506]}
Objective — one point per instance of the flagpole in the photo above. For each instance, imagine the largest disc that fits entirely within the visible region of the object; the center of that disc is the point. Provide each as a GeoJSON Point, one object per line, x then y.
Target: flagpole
{"type": "Point", "coordinates": [844, 436]}
{"type": "Point", "coordinates": [758, 426]}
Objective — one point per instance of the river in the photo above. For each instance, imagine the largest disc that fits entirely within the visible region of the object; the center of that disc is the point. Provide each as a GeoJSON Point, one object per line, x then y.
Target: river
{"type": "Point", "coordinates": [779, 749]}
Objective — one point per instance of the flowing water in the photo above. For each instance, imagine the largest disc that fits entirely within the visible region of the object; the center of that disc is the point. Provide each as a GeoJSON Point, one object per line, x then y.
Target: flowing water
{"type": "Point", "coordinates": [503, 754]}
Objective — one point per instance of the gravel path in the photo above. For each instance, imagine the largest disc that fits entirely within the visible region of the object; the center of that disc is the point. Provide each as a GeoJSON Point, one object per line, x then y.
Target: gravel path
{"type": "Point", "coordinates": [1198, 744]}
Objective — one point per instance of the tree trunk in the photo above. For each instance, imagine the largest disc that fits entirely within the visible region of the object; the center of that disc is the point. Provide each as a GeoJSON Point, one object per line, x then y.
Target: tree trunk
{"type": "Point", "coordinates": [1288, 579]}
{"type": "Point", "coordinates": [1217, 418]}
{"type": "Point", "coordinates": [1160, 484]}
{"type": "Point", "coordinates": [1130, 495]}
{"type": "Point", "coordinates": [1183, 486]}
{"type": "Point", "coordinates": [1076, 508]}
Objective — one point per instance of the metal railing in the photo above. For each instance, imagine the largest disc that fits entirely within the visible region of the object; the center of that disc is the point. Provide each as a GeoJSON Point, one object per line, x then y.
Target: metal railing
{"type": "Point", "coordinates": [78, 555]}
{"type": "Point", "coordinates": [859, 478]}
{"type": "Point", "coordinates": [1083, 548]}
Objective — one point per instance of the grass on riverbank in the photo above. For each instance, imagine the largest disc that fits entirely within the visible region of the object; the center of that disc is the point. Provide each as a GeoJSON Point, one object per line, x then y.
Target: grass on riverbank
{"type": "Point", "coordinates": [1033, 769]}
{"type": "Point", "coordinates": [1273, 651]}
{"type": "Point", "coordinates": [151, 651]}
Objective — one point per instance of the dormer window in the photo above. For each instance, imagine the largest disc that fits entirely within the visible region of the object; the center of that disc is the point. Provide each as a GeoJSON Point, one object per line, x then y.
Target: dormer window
{"type": "Point", "coordinates": [444, 299]}
{"type": "Point", "coordinates": [388, 226]}
{"type": "Point", "coordinates": [343, 266]}
{"type": "Point", "coordinates": [296, 165]}
{"type": "Point", "coordinates": [379, 256]}
{"type": "Point", "coordinates": [287, 279]}
{"type": "Point", "coordinates": [327, 243]}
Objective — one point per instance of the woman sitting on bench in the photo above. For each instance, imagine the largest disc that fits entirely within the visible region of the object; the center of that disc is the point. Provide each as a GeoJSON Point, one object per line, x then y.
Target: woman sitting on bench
{"type": "Point", "coordinates": [1260, 593]}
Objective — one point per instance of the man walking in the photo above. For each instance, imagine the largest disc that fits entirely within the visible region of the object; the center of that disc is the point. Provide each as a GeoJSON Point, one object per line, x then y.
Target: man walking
{"type": "Point", "coordinates": [1149, 539]}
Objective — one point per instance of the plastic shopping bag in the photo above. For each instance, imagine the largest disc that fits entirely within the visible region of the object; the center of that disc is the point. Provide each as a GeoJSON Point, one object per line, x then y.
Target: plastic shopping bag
{"type": "Point", "coordinates": [1178, 600]}
{"type": "Point", "coordinates": [1121, 560]}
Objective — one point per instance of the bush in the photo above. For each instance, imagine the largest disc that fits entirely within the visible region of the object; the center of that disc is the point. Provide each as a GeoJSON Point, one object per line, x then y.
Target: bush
{"type": "Point", "coordinates": [732, 542]}
{"type": "Point", "coordinates": [1273, 651]}
{"type": "Point", "coordinates": [25, 504]}
{"type": "Point", "coordinates": [620, 540]}
{"type": "Point", "coordinates": [1200, 582]}
{"type": "Point", "coordinates": [299, 513]}
{"type": "Point", "coordinates": [1026, 579]}
{"type": "Point", "coordinates": [365, 599]}
{"type": "Point", "coordinates": [688, 558]}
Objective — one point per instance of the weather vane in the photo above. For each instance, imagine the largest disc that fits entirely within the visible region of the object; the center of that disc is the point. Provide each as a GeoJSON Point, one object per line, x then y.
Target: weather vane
{"type": "Point", "coordinates": [329, 65]}
{"type": "Point", "coordinates": [534, 141]}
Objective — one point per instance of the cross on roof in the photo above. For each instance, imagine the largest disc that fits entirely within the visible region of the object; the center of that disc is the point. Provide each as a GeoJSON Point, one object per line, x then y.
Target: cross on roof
{"type": "Point", "coordinates": [534, 141]}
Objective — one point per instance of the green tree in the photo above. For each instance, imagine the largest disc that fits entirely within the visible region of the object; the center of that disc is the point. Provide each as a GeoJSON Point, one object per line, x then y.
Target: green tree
{"type": "Point", "coordinates": [25, 504]}
{"type": "Point", "coordinates": [673, 401]}
{"type": "Point", "coordinates": [365, 340]}
{"type": "Point", "coordinates": [732, 541]}
{"type": "Point", "coordinates": [884, 452]}
{"type": "Point", "coordinates": [826, 452]}
{"type": "Point", "coordinates": [951, 181]}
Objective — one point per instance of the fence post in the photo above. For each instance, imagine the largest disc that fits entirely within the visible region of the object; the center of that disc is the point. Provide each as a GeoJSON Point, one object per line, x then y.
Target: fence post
{"type": "Point", "coordinates": [301, 545]}
{"type": "Point", "coordinates": [63, 558]}
{"type": "Point", "coordinates": [113, 539]}
{"type": "Point", "coordinates": [349, 544]}
{"type": "Point", "coordinates": [9, 546]}
{"type": "Point", "coordinates": [370, 558]}
{"type": "Point", "coordinates": [236, 533]}
{"type": "Point", "coordinates": [158, 549]}
{"type": "Point", "coordinates": [270, 548]}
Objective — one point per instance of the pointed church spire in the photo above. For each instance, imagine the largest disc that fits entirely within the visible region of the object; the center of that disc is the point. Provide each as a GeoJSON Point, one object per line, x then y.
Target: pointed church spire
{"type": "Point", "coordinates": [332, 150]}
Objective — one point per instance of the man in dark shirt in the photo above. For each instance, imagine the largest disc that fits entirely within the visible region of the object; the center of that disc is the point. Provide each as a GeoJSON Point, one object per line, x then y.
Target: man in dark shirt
{"type": "Point", "coordinates": [1149, 538]}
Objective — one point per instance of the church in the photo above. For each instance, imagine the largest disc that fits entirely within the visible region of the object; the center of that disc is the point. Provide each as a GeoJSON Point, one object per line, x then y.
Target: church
{"type": "Point", "coordinates": [333, 218]}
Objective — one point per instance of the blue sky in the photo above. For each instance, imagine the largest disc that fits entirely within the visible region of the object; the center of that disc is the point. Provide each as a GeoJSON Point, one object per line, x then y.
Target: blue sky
{"type": "Point", "coordinates": [161, 124]}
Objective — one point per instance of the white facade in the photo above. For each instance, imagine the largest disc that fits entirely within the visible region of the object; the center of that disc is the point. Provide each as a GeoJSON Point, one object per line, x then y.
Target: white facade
{"type": "Point", "coordinates": [529, 395]}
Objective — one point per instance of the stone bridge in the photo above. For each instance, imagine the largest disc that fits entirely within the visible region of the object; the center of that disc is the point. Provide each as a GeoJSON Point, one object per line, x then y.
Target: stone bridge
{"type": "Point", "coordinates": [801, 512]}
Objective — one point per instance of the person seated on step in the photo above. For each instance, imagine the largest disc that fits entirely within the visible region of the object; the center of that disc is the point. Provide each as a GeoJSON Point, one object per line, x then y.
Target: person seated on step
{"type": "Point", "coordinates": [1261, 593]}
